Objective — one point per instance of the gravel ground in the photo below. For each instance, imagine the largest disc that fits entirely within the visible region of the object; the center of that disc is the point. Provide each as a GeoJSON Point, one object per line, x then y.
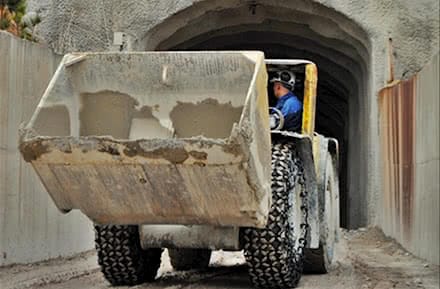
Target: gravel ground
{"type": "Point", "coordinates": [364, 259]}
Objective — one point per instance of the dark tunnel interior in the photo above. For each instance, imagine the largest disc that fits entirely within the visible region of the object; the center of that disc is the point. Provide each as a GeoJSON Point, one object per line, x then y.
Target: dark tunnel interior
{"type": "Point", "coordinates": [342, 61]}
{"type": "Point", "coordinates": [331, 107]}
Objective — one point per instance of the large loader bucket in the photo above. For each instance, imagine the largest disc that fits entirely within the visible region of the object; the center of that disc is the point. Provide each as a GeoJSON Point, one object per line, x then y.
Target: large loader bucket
{"type": "Point", "coordinates": [156, 138]}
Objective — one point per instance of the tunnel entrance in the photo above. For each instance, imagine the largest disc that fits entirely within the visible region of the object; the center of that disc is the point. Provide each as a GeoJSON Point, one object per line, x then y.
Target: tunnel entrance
{"type": "Point", "coordinates": [303, 30]}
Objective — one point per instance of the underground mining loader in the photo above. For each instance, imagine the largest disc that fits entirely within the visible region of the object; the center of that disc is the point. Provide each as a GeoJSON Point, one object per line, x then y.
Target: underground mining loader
{"type": "Point", "coordinates": [178, 150]}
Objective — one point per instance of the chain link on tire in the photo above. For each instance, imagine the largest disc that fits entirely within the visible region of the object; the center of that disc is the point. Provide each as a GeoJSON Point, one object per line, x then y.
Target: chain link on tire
{"type": "Point", "coordinates": [275, 254]}
{"type": "Point", "coordinates": [121, 257]}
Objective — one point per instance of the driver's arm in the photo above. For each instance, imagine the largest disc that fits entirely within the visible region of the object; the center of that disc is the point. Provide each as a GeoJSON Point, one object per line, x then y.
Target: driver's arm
{"type": "Point", "coordinates": [291, 106]}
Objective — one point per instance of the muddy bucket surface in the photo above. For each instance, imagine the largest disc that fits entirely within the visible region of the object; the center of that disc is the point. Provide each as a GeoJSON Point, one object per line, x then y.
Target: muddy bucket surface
{"type": "Point", "coordinates": [155, 138]}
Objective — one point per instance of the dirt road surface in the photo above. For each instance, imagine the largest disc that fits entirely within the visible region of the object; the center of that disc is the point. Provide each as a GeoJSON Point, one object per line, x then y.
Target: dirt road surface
{"type": "Point", "coordinates": [364, 259]}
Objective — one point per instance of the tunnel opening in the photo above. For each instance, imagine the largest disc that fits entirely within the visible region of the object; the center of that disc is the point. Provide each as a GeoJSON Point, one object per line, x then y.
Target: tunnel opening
{"type": "Point", "coordinates": [304, 30]}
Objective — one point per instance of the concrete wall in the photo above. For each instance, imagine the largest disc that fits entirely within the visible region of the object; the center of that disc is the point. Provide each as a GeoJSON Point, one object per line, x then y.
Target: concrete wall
{"type": "Point", "coordinates": [409, 115]}
{"type": "Point", "coordinates": [31, 228]}
{"type": "Point", "coordinates": [426, 227]}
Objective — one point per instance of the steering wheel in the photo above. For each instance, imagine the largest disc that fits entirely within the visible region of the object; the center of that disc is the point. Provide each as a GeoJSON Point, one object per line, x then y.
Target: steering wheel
{"type": "Point", "coordinates": [276, 119]}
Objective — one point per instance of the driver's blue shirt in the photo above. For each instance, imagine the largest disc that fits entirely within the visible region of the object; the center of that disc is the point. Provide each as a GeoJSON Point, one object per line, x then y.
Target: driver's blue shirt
{"type": "Point", "coordinates": [291, 108]}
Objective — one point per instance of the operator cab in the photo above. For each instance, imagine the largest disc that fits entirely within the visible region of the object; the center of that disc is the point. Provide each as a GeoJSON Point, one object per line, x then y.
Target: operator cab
{"type": "Point", "coordinates": [302, 87]}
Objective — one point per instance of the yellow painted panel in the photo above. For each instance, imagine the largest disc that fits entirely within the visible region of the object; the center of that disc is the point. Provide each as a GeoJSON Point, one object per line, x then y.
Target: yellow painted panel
{"type": "Point", "coordinates": [310, 84]}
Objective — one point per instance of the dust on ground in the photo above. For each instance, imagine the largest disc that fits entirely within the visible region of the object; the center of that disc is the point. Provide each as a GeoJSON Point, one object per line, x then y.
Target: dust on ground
{"type": "Point", "coordinates": [364, 259]}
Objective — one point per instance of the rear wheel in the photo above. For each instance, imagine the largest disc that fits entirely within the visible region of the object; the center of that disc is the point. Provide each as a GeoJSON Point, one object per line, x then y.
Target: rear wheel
{"type": "Point", "coordinates": [275, 254]}
{"type": "Point", "coordinates": [121, 257]}
{"type": "Point", "coordinates": [187, 259]}
{"type": "Point", "coordinates": [319, 260]}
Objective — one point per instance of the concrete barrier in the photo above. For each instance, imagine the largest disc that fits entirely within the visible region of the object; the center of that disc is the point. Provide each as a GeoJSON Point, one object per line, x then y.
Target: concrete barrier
{"type": "Point", "coordinates": [31, 228]}
{"type": "Point", "coordinates": [409, 114]}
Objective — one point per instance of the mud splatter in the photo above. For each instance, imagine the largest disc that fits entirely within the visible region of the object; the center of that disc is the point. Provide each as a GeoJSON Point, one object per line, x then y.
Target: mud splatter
{"type": "Point", "coordinates": [173, 154]}
{"type": "Point", "coordinates": [199, 155]}
{"type": "Point", "coordinates": [32, 150]}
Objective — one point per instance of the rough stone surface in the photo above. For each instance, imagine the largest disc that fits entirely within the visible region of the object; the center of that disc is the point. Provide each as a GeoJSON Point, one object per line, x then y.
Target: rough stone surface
{"type": "Point", "coordinates": [88, 25]}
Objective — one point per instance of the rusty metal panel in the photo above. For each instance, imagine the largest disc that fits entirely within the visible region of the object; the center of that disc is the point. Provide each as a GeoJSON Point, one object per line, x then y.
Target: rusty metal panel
{"type": "Point", "coordinates": [397, 134]}
{"type": "Point", "coordinates": [409, 131]}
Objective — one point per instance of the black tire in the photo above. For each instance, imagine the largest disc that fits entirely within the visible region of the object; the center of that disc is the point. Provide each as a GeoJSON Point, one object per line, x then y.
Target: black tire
{"type": "Point", "coordinates": [275, 254]}
{"type": "Point", "coordinates": [318, 261]}
{"type": "Point", "coordinates": [121, 257]}
{"type": "Point", "coordinates": [187, 259]}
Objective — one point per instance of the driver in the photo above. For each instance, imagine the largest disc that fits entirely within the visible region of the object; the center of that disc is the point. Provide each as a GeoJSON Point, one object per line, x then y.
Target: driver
{"type": "Point", "coordinates": [287, 102]}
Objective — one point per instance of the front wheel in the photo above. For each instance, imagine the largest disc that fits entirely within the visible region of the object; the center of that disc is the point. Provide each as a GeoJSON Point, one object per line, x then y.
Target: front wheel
{"type": "Point", "coordinates": [121, 257]}
{"type": "Point", "coordinates": [275, 254]}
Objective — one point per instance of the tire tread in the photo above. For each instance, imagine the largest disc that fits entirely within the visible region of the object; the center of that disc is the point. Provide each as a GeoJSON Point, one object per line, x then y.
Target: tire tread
{"type": "Point", "coordinates": [121, 257]}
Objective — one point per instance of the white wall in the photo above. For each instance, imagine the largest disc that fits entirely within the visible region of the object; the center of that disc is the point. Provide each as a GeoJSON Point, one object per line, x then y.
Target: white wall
{"type": "Point", "coordinates": [411, 162]}
{"type": "Point", "coordinates": [31, 227]}
{"type": "Point", "coordinates": [426, 226]}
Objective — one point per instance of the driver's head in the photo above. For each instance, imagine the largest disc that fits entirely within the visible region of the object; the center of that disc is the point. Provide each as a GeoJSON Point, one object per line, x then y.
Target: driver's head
{"type": "Point", "coordinates": [279, 90]}
{"type": "Point", "coordinates": [283, 82]}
